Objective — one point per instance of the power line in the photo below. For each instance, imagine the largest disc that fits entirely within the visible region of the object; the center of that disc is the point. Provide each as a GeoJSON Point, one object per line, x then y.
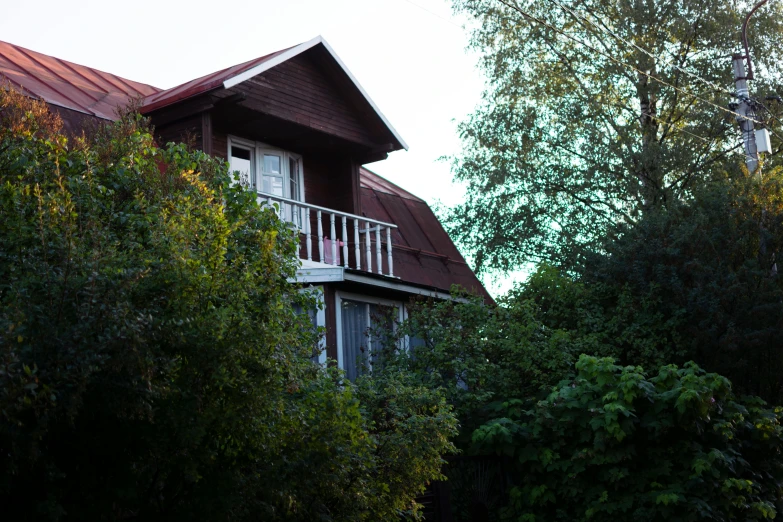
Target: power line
{"type": "Point", "coordinates": [657, 58]}
{"type": "Point", "coordinates": [436, 15]}
{"type": "Point", "coordinates": [619, 62]}
{"type": "Point", "coordinates": [640, 48]}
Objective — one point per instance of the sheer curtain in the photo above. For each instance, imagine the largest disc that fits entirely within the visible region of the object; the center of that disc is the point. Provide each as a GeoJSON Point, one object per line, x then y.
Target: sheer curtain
{"type": "Point", "coordinates": [354, 326]}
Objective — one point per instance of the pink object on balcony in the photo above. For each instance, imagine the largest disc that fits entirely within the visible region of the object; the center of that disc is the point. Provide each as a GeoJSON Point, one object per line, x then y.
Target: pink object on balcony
{"type": "Point", "coordinates": [328, 259]}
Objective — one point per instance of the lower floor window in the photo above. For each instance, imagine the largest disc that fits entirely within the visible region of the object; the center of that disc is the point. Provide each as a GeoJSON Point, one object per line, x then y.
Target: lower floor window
{"type": "Point", "coordinates": [366, 333]}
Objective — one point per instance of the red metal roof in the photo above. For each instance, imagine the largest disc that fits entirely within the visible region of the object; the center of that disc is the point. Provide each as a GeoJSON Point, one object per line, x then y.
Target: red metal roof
{"type": "Point", "coordinates": [370, 180]}
{"type": "Point", "coordinates": [203, 84]}
{"type": "Point", "coordinates": [423, 252]}
{"type": "Point", "coordinates": [66, 84]}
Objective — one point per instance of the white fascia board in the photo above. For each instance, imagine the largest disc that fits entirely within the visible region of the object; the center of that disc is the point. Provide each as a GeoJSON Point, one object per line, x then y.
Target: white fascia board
{"type": "Point", "coordinates": [400, 287]}
{"type": "Point", "coordinates": [319, 274]}
{"type": "Point", "coordinates": [294, 51]}
{"type": "Point", "coordinates": [277, 60]}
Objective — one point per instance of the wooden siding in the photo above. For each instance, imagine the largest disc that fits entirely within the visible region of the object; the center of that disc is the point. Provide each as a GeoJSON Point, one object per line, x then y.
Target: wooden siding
{"type": "Point", "coordinates": [219, 144]}
{"type": "Point", "coordinates": [186, 130]}
{"type": "Point", "coordinates": [299, 91]}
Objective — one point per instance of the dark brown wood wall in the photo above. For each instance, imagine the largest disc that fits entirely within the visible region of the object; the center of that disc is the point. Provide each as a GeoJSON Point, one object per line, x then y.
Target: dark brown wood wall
{"type": "Point", "coordinates": [299, 91]}
{"type": "Point", "coordinates": [186, 130]}
{"type": "Point", "coordinates": [219, 144]}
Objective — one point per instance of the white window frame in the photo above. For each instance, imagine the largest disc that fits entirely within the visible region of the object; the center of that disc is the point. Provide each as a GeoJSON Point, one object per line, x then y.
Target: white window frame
{"type": "Point", "coordinates": [258, 149]}
{"type": "Point", "coordinates": [245, 144]}
{"type": "Point", "coordinates": [338, 301]}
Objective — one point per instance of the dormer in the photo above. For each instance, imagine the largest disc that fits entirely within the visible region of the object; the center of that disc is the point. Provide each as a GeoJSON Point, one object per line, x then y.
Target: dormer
{"type": "Point", "coordinates": [296, 122]}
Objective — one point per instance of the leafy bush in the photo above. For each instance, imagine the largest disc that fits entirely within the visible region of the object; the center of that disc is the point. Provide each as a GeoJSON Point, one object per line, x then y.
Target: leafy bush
{"type": "Point", "coordinates": [152, 365]}
{"type": "Point", "coordinates": [477, 354]}
{"type": "Point", "coordinates": [613, 443]}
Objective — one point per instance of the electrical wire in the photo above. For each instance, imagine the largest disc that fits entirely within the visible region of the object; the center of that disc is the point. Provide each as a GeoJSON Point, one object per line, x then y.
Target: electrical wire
{"type": "Point", "coordinates": [656, 58]}
{"type": "Point", "coordinates": [641, 49]}
{"type": "Point", "coordinates": [434, 14]}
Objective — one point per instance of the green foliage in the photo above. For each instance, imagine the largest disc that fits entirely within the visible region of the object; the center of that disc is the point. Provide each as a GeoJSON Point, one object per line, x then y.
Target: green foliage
{"type": "Point", "coordinates": [152, 365]}
{"type": "Point", "coordinates": [613, 443]}
{"type": "Point", "coordinates": [477, 354]}
{"type": "Point", "coordinates": [699, 281]}
{"type": "Point", "coordinates": [571, 139]}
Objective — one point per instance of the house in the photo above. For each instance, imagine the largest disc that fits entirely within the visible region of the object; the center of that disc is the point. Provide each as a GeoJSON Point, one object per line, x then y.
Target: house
{"type": "Point", "coordinates": [300, 129]}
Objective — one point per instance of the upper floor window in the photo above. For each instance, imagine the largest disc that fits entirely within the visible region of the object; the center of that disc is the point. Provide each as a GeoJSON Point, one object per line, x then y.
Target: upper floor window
{"type": "Point", "coordinates": [267, 170]}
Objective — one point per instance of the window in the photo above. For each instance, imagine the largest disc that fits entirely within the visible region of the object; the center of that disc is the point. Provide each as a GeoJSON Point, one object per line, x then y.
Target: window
{"type": "Point", "coordinates": [241, 160]}
{"type": "Point", "coordinates": [365, 326]}
{"type": "Point", "coordinates": [269, 171]}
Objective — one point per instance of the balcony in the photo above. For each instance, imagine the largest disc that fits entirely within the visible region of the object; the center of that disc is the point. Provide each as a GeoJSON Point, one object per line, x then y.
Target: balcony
{"type": "Point", "coordinates": [340, 239]}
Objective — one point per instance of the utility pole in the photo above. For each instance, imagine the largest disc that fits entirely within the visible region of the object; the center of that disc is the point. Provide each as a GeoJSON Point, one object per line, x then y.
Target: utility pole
{"type": "Point", "coordinates": [746, 115]}
{"type": "Point", "coordinates": [745, 112]}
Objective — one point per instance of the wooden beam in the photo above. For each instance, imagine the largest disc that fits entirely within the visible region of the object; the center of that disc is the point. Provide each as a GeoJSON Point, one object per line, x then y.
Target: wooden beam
{"type": "Point", "coordinates": [172, 113]}
{"type": "Point", "coordinates": [206, 132]}
{"type": "Point", "coordinates": [356, 187]}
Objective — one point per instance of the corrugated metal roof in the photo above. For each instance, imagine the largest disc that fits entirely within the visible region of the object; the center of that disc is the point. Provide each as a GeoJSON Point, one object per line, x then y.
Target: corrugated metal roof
{"type": "Point", "coordinates": [66, 84]}
{"type": "Point", "coordinates": [371, 180]}
{"type": "Point", "coordinates": [201, 85]}
{"type": "Point", "coordinates": [423, 252]}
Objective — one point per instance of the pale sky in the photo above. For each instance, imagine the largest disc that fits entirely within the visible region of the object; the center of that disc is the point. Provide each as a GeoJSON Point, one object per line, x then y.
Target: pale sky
{"type": "Point", "coordinates": [409, 55]}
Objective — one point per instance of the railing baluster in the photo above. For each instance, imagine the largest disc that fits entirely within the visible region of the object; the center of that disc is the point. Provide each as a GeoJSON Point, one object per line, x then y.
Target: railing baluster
{"type": "Point", "coordinates": [358, 247]}
{"type": "Point", "coordinates": [308, 235]}
{"type": "Point", "coordinates": [378, 249]}
{"type": "Point", "coordinates": [345, 243]}
{"type": "Point", "coordinates": [334, 240]}
{"type": "Point", "coordinates": [298, 213]}
{"type": "Point", "coordinates": [389, 251]}
{"type": "Point", "coordinates": [367, 246]}
{"type": "Point", "coordinates": [320, 237]}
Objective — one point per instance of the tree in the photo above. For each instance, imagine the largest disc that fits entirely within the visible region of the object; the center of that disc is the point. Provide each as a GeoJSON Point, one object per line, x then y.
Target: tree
{"type": "Point", "coordinates": [596, 112]}
{"type": "Point", "coordinates": [613, 443]}
{"type": "Point", "coordinates": [699, 281]}
{"type": "Point", "coordinates": [152, 366]}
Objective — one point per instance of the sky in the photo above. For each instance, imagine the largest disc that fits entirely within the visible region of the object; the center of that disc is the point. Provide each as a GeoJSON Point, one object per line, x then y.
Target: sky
{"type": "Point", "coordinates": [409, 55]}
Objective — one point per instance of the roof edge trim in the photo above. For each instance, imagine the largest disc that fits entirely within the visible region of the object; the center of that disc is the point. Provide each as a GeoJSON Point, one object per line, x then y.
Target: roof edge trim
{"type": "Point", "coordinates": [298, 49]}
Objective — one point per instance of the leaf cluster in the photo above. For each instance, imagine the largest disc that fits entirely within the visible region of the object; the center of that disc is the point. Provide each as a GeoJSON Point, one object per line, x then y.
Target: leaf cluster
{"type": "Point", "coordinates": [615, 443]}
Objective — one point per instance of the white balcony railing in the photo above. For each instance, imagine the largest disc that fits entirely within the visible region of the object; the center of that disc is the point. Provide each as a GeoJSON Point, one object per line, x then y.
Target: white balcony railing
{"type": "Point", "coordinates": [331, 249]}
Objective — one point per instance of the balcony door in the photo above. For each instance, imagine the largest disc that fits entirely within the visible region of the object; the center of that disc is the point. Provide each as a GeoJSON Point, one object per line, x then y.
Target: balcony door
{"type": "Point", "coordinates": [272, 172]}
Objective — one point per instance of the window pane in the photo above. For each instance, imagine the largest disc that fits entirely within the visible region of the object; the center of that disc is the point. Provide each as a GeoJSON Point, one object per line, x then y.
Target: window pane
{"type": "Point", "coordinates": [240, 161]}
{"type": "Point", "coordinates": [273, 185]}
{"type": "Point", "coordinates": [293, 174]}
{"type": "Point", "coordinates": [354, 337]}
{"type": "Point", "coordinates": [271, 164]}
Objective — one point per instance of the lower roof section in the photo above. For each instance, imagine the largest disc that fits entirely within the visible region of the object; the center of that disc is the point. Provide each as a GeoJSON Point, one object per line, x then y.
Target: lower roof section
{"type": "Point", "coordinates": [424, 254]}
